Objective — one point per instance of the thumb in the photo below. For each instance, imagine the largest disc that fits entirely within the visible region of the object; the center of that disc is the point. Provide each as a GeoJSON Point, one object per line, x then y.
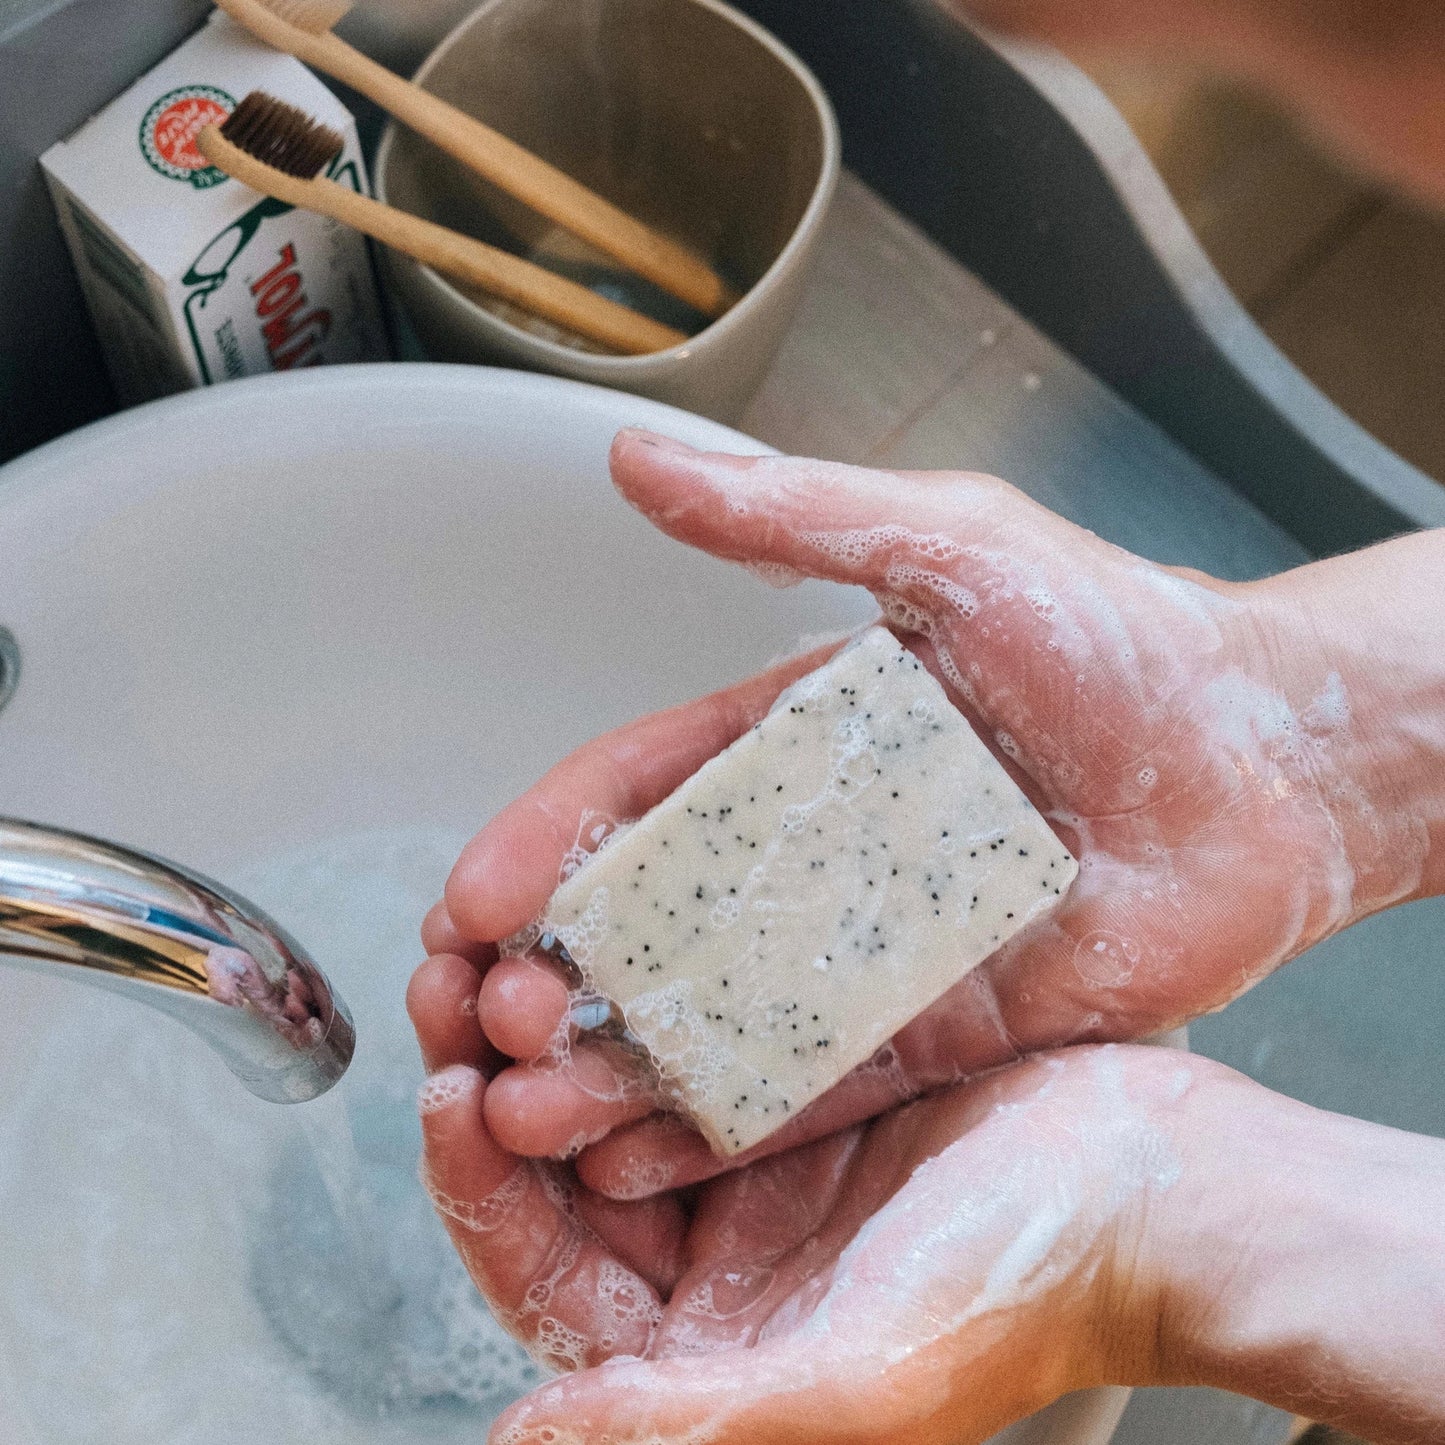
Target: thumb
{"type": "Point", "coordinates": [826, 519]}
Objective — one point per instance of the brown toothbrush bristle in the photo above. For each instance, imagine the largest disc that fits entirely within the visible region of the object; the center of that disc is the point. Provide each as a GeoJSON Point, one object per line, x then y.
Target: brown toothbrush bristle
{"type": "Point", "coordinates": [316, 17]}
{"type": "Point", "coordinates": [281, 136]}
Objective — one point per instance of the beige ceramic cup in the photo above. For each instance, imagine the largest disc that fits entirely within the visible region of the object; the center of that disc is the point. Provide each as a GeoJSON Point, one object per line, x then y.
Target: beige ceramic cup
{"type": "Point", "coordinates": [683, 112]}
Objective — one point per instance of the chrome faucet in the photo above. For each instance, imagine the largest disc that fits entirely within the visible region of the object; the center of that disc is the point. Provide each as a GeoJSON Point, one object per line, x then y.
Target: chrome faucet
{"type": "Point", "coordinates": [169, 938]}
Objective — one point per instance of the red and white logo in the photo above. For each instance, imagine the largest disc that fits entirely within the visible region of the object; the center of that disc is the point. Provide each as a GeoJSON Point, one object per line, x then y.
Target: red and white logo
{"type": "Point", "coordinates": [169, 129]}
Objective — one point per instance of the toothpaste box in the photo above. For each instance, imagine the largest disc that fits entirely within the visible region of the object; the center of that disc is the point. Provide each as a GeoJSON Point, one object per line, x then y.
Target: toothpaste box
{"type": "Point", "coordinates": [190, 276]}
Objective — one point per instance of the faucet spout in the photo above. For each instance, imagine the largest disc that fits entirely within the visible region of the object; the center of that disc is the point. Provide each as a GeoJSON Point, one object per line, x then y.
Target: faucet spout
{"type": "Point", "coordinates": [158, 933]}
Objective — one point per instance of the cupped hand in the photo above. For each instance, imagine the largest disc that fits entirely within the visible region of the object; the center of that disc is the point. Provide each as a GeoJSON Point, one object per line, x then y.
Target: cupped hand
{"type": "Point", "coordinates": [1187, 738]}
{"type": "Point", "coordinates": [1101, 1214]}
{"type": "Point", "coordinates": [930, 1276]}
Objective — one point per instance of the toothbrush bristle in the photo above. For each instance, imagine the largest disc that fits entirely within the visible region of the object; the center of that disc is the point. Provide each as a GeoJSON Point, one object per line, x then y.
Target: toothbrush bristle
{"type": "Point", "coordinates": [281, 136]}
{"type": "Point", "coordinates": [314, 16]}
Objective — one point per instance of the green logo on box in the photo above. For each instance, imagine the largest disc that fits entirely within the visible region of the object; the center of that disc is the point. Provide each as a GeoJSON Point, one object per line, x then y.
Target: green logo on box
{"type": "Point", "coordinates": [169, 129]}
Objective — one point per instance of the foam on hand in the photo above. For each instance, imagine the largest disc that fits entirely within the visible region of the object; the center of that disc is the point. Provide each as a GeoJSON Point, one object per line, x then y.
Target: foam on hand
{"type": "Point", "coordinates": [772, 923]}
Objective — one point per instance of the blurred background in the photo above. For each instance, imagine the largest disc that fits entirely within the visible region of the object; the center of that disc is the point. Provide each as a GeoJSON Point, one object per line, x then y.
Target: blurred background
{"type": "Point", "coordinates": [1348, 280]}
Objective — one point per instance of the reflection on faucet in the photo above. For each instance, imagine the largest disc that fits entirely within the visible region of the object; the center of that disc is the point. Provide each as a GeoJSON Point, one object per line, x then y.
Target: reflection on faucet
{"type": "Point", "coordinates": [169, 938]}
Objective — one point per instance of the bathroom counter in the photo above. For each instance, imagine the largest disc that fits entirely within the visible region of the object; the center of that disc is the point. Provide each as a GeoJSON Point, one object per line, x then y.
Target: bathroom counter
{"type": "Point", "coordinates": [899, 357]}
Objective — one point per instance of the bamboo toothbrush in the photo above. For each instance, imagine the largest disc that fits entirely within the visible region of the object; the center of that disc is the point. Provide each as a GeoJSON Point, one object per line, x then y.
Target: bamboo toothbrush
{"type": "Point", "coordinates": [303, 28]}
{"type": "Point", "coordinates": [277, 149]}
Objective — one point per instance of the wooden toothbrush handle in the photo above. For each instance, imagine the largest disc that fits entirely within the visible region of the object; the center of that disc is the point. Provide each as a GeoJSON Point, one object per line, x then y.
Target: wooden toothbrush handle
{"type": "Point", "coordinates": [530, 179]}
{"type": "Point", "coordinates": [515, 280]}
{"type": "Point", "coordinates": [497, 272]}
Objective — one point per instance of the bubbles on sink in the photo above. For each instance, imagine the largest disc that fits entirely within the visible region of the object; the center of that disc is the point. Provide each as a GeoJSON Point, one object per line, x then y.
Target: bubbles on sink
{"type": "Point", "coordinates": [348, 1260]}
{"type": "Point", "coordinates": [176, 1235]}
{"type": "Point", "coordinates": [379, 1310]}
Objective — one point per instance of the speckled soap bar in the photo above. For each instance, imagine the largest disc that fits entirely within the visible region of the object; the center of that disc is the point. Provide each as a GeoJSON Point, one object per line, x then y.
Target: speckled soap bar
{"type": "Point", "coordinates": [809, 891]}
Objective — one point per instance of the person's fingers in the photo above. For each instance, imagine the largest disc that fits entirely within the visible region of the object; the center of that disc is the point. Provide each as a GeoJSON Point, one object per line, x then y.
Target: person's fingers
{"type": "Point", "coordinates": [516, 1227]}
{"type": "Point", "coordinates": [825, 519]}
{"type": "Point", "coordinates": [828, 519]}
{"type": "Point", "coordinates": [650, 1235]}
{"type": "Point", "coordinates": [1031, 618]}
{"type": "Point", "coordinates": [440, 935]}
{"type": "Point", "coordinates": [552, 1111]}
{"type": "Point", "coordinates": [1074, 977]}
{"type": "Point", "coordinates": [904, 1320]}
{"type": "Point", "coordinates": [785, 1251]}
{"type": "Point", "coordinates": [662, 1151]}
{"type": "Point", "coordinates": [441, 999]}
{"type": "Point", "coordinates": [753, 1242]}
{"type": "Point", "coordinates": [522, 1004]}
{"type": "Point", "coordinates": [767, 1233]}
{"type": "Point", "coordinates": [772, 1206]}
{"type": "Point", "coordinates": [506, 874]}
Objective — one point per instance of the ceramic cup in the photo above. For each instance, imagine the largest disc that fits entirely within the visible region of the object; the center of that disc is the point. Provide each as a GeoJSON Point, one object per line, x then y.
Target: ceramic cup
{"type": "Point", "coordinates": [683, 112]}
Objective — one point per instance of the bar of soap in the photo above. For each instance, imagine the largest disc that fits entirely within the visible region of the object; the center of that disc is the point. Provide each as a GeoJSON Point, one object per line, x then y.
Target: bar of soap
{"type": "Point", "coordinates": [807, 892]}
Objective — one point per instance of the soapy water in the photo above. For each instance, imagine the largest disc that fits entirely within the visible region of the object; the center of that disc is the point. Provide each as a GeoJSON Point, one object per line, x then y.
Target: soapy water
{"type": "Point", "coordinates": [367, 1298]}
{"type": "Point", "coordinates": [230, 1270]}
{"type": "Point", "coordinates": [352, 1269]}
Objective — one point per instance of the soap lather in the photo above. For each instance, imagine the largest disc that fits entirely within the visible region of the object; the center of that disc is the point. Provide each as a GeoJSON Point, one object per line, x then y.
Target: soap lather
{"type": "Point", "coordinates": [771, 924]}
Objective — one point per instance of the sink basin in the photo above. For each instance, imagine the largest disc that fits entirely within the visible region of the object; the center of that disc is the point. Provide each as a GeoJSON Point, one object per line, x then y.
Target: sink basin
{"type": "Point", "coordinates": [305, 634]}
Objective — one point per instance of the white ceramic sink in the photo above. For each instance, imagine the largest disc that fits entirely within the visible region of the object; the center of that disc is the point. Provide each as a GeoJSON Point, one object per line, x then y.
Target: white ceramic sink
{"type": "Point", "coordinates": [304, 634]}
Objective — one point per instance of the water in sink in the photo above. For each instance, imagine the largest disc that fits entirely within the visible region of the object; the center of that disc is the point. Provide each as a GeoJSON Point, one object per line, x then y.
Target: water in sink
{"type": "Point", "coordinates": [192, 1265]}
